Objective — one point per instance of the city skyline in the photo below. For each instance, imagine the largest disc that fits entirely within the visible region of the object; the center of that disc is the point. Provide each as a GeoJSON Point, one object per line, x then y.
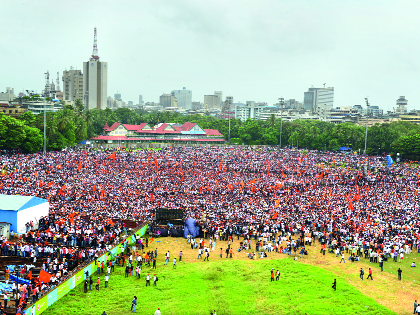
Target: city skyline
{"type": "Point", "coordinates": [254, 51]}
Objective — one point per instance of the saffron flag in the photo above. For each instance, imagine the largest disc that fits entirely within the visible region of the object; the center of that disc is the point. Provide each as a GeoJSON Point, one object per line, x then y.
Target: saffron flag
{"type": "Point", "coordinates": [61, 190]}
{"type": "Point", "coordinates": [44, 276]}
{"type": "Point", "coordinates": [80, 166]}
{"type": "Point", "coordinates": [30, 275]}
{"type": "Point", "coordinates": [112, 156]}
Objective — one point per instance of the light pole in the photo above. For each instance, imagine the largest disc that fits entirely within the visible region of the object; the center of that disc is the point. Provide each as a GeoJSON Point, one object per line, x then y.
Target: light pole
{"type": "Point", "coordinates": [45, 127]}
{"type": "Point", "coordinates": [281, 117]}
{"type": "Point", "coordinates": [367, 121]}
{"type": "Point", "coordinates": [229, 121]}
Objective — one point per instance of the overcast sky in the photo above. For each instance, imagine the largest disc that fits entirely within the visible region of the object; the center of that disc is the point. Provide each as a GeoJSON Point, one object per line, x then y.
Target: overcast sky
{"type": "Point", "coordinates": [256, 50]}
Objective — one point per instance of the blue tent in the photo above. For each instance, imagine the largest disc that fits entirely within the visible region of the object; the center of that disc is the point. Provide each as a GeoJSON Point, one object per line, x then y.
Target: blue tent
{"type": "Point", "coordinates": [191, 227]}
{"type": "Point", "coordinates": [389, 161]}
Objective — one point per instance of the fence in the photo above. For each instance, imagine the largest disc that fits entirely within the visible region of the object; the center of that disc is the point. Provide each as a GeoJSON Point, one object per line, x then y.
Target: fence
{"type": "Point", "coordinates": [79, 277]}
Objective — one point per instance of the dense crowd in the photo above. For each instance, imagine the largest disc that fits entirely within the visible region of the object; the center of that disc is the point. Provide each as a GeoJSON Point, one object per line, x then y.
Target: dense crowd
{"type": "Point", "coordinates": [229, 190]}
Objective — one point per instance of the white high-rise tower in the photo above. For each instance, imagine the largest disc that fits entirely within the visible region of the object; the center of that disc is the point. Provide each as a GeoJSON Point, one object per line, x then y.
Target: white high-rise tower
{"type": "Point", "coordinates": [95, 80]}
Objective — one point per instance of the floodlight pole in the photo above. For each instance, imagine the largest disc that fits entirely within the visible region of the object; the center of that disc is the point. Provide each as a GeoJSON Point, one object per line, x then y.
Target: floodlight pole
{"type": "Point", "coordinates": [45, 127]}
{"type": "Point", "coordinates": [281, 118]}
{"type": "Point", "coordinates": [367, 122]}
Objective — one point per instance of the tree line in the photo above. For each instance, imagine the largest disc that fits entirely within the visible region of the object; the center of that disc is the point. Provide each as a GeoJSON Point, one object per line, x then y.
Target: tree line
{"type": "Point", "coordinates": [73, 124]}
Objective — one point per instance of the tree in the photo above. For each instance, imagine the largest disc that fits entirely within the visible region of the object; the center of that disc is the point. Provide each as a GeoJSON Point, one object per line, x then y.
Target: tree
{"type": "Point", "coordinates": [34, 140]}
{"type": "Point", "coordinates": [14, 134]}
{"type": "Point", "coordinates": [79, 107]}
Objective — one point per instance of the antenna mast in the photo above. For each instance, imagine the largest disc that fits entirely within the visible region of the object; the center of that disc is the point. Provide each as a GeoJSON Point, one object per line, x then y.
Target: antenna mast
{"type": "Point", "coordinates": [95, 46]}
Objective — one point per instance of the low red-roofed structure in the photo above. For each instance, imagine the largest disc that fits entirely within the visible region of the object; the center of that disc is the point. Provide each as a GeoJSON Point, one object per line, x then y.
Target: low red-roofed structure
{"type": "Point", "coordinates": [165, 132]}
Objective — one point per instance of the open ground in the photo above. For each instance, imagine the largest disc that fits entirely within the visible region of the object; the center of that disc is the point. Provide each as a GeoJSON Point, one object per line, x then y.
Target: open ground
{"type": "Point", "coordinates": [240, 285]}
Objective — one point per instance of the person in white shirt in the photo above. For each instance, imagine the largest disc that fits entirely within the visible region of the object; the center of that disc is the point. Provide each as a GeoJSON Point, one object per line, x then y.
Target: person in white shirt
{"type": "Point", "coordinates": [158, 312]}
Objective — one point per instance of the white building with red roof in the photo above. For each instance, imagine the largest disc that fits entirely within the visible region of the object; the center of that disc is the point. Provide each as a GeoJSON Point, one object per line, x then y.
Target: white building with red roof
{"type": "Point", "coordinates": [188, 132]}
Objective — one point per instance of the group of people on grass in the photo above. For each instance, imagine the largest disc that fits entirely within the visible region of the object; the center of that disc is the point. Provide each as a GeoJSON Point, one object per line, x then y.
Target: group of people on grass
{"type": "Point", "coordinates": [287, 195]}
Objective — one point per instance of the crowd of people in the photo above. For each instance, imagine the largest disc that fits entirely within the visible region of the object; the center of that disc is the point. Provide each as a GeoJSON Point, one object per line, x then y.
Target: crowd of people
{"type": "Point", "coordinates": [232, 191]}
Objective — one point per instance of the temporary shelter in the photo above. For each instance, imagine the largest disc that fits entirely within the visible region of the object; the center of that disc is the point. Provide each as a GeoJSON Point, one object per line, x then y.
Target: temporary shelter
{"type": "Point", "coordinates": [18, 210]}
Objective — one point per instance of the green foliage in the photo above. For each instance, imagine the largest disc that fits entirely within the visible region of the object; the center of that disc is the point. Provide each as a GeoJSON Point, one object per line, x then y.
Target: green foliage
{"type": "Point", "coordinates": [34, 140]}
{"type": "Point", "coordinates": [408, 147]}
{"type": "Point", "coordinates": [14, 134]}
{"type": "Point", "coordinates": [75, 124]}
{"type": "Point", "coordinates": [235, 141]}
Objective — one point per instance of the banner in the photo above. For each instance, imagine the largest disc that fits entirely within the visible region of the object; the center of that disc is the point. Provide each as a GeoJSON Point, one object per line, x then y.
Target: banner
{"type": "Point", "coordinates": [51, 297]}
{"type": "Point", "coordinates": [114, 251]}
{"type": "Point", "coordinates": [79, 277]}
{"type": "Point", "coordinates": [62, 290]}
{"type": "Point", "coordinates": [87, 269]}
{"type": "Point", "coordinates": [30, 310]}
{"type": "Point", "coordinates": [71, 283]}
{"type": "Point", "coordinates": [41, 305]}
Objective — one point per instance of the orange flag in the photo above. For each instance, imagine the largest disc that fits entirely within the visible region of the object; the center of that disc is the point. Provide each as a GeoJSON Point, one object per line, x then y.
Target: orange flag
{"type": "Point", "coordinates": [44, 276]}
{"type": "Point", "coordinates": [152, 198]}
{"type": "Point", "coordinates": [1, 185]}
{"type": "Point", "coordinates": [112, 156]}
{"type": "Point", "coordinates": [30, 275]}
{"type": "Point", "coordinates": [61, 190]}
{"type": "Point", "coordinates": [80, 166]}
{"type": "Point", "coordinates": [94, 187]}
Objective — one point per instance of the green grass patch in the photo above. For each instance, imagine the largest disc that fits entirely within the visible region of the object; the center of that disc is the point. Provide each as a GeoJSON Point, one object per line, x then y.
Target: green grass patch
{"type": "Point", "coordinates": [227, 286]}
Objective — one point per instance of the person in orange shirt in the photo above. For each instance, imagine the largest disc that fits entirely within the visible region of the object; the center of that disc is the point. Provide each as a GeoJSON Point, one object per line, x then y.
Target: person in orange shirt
{"type": "Point", "coordinates": [97, 284]}
{"type": "Point", "coordinates": [272, 274]}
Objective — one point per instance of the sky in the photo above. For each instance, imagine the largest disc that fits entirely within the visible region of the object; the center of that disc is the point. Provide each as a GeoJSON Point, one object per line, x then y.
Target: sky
{"type": "Point", "coordinates": [257, 50]}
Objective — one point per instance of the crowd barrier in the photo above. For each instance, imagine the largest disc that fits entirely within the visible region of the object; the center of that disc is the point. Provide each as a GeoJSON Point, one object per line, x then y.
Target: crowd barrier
{"type": "Point", "coordinates": [79, 277]}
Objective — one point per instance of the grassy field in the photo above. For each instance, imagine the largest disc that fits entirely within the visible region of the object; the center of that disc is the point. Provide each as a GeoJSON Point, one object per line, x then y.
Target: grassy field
{"type": "Point", "coordinates": [229, 286]}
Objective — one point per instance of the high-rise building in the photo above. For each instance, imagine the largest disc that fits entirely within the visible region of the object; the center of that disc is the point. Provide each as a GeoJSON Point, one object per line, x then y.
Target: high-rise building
{"type": "Point", "coordinates": [167, 100]}
{"type": "Point", "coordinates": [212, 101]}
{"type": "Point", "coordinates": [117, 96]}
{"type": "Point", "coordinates": [220, 94]}
{"type": "Point", "coordinates": [8, 96]}
{"type": "Point", "coordinates": [401, 105]}
{"type": "Point", "coordinates": [141, 100]}
{"type": "Point", "coordinates": [229, 99]}
{"type": "Point", "coordinates": [184, 98]}
{"type": "Point", "coordinates": [72, 85]}
{"type": "Point", "coordinates": [318, 99]}
{"type": "Point", "coordinates": [248, 110]}
{"type": "Point", "coordinates": [95, 80]}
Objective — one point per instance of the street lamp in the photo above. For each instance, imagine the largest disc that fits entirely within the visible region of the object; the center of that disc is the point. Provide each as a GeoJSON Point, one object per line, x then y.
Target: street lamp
{"type": "Point", "coordinates": [281, 117]}
{"type": "Point", "coordinates": [367, 121]}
